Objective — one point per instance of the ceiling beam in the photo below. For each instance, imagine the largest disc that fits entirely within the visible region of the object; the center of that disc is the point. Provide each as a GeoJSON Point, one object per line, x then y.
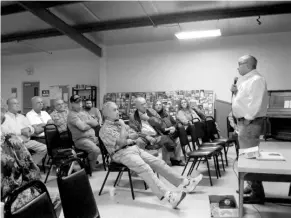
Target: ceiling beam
{"type": "Point", "coordinates": [16, 8]}
{"type": "Point", "coordinates": [61, 26]}
{"type": "Point", "coordinates": [277, 8]}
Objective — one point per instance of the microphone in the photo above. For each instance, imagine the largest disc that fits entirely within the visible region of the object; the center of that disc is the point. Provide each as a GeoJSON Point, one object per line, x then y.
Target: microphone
{"type": "Point", "coordinates": [235, 80]}
{"type": "Point", "coordinates": [234, 83]}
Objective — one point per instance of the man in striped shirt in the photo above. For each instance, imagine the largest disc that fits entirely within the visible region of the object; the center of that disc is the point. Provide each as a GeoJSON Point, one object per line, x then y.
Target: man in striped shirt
{"type": "Point", "coordinates": [120, 142]}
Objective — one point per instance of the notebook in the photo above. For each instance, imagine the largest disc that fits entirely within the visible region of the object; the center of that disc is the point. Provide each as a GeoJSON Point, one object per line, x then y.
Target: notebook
{"type": "Point", "coordinates": [272, 156]}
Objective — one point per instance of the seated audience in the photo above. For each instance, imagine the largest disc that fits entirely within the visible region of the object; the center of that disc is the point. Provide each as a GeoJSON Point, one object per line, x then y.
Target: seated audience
{"type": "Point", "coordinates": [121, 146]}
{"type": "Point", "coordinates": [17, 168]}
{"type": "Point", "coordinates": [59, 116]}
{"type": "Point", "coordinates": [19, 125]}
{"type": "Point", "coordinates": [81, 125]}
{"type": "Point", "coordinates": [93, 111]}
{"type": "Point", "coordinates": [186, 114]}
{"type": "Point", "coordinates": [169, 127]}
{"type": "Point", "coordinates": [38, 119]}
{"type": "Point", "coordinates": [145, 121]}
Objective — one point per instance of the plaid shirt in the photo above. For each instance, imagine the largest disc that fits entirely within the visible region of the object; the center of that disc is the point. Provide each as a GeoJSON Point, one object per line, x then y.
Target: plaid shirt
{"type": "Point", "coordinates": [60, 119]}
{"type": "Point", "coordinates": [110, 133]}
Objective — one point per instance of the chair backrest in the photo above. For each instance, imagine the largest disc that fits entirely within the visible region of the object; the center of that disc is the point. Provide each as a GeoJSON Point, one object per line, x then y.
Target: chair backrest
{"type": "Point", "coordinates": [70, 136]}
{"type": "Point", "coordinates": [76, 194]}
{"type": "Point", "coordinates": [41, 206]}
{"type": "Point", "coordinates": [103, 150]}
{"type": "Point", "coordinates": [228, 127]}
{"type": "Point", "coordinates": [52, 138]}
{"type": "Point", "coordinates": [211, 129]}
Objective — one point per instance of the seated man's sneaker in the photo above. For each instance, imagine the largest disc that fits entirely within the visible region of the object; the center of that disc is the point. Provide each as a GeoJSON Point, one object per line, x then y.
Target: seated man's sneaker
{"type": "Point", "coordinates": [190, 184]}
{"type": "Point", "coordinates": [175, 198]}
{"type": "Point", "coordinates": [177, 162]}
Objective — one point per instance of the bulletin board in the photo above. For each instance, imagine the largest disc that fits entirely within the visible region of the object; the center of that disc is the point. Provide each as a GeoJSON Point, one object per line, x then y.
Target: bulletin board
{"type": "Point", "coordinates": [202, 99]}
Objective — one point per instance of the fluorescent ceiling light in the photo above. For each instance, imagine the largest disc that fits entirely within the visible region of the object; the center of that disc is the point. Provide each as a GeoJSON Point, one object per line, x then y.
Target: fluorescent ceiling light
{"type": "Point", "coordinates": [198, 34]}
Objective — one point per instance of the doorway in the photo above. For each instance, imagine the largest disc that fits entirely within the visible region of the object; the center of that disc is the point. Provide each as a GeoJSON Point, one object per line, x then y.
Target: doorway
{"type": "Point", "coordinates": [30, 89]}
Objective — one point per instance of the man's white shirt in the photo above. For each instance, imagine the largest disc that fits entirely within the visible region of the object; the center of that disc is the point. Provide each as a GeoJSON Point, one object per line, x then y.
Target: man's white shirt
{"type": "Point", "coordinates": [251, 100]}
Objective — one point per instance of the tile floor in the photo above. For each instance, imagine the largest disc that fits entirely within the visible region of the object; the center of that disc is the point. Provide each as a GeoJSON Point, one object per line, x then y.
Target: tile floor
{"type": "Point", "coordinates": [117, 203]}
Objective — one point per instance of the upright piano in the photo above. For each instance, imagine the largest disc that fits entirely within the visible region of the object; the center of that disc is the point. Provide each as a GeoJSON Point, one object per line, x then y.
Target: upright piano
{"type": "Point", "coordinates": [278, 125]}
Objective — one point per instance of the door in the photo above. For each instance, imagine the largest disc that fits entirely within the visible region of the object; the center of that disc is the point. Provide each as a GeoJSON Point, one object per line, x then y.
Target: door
{"type": "Point", "coordinates": [30, 89]}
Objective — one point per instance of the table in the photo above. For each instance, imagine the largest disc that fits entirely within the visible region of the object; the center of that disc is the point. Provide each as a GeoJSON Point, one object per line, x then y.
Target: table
{"type": "Point", "coordinates": [271, 171]}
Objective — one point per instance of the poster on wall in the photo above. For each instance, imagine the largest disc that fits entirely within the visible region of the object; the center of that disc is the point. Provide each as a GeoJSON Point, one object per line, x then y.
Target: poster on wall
{"type": "Point", "coordinates": [14, 92]}
{"type": "Point", "coordinates": [45, 93]}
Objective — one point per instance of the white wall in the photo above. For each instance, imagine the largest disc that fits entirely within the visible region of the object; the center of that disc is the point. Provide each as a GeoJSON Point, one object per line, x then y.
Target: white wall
{"type": "Point", "coordinates": [68, 67]}
{"type": "Point", "coordinates": [208, 64]}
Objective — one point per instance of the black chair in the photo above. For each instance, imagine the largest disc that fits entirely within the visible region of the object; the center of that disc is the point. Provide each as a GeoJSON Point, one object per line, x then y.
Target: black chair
{"type": "Point", "coordinates": [196, 155]}
{"type": "Point", "coordinates": [197, 131]}
{"type": "Point", "coordinates": [76, 193]}
{"type": "Point", "coordinates": [55, 151]}
{"type": "Point", "coordinates": [213, 136]}
{"type": "Point", "coordinates": [83, 155]}
{"type": "Point", "coordinates": [41, 206]}
{"type": "Point", "coordinates": [116, 167]}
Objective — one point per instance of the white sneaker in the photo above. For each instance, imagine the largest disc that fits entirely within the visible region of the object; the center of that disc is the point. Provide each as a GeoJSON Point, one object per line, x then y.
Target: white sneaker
{"type": "Point", "coordinates": [175, 198]}
{"type": "Point", "coordinates": [192, 183]}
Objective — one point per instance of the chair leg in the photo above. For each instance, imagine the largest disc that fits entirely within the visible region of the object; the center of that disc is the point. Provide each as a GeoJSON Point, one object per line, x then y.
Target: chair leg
{"type": "Point", "coordinates": [225, 154]}
{"type": "Point", "coordinates": [103, 160]}
{"type": "Point", "coordinates": [185, 166]}
{"type": "Point", "coordinates": [221, 156]}
{"type": "Point", "coordinates": [117, 178]}
{"type": "Point", "coordinates": [215, 165]}
{"type": "Point", "coordinates": [43, 163]}
{"type": "Point", "coordinates": [208, 171]}
{"type": "Point", "coordinates": [192, 167]}
{"type": "Point", "coordinates": [198, 163]}
{"type": "Point", "coordinates": [107, 174]}
{"type": "Point", "coordinates": [145, 185]}
{"type": "Point", "coordinates": [130, 182]}
{"type": "Point", "coordinates": [48, 172]}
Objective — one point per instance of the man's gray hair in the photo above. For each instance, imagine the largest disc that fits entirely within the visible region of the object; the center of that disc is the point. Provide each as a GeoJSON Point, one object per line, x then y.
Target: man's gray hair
{"type": "Point", "coordinates": [106, 107]}
{"type": "Point", "coordinates": [251, 60]}
{"type": "Point", "coordinates": [34, 98]}
{"type": "Point", "coordinates": [138, 100]}
{"type": "Point", "coordinates": [10, 99]}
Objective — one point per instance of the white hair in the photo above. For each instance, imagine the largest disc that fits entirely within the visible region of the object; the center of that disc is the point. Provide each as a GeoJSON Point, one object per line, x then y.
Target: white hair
{"type": "Point", "coordinates": [106, 107]}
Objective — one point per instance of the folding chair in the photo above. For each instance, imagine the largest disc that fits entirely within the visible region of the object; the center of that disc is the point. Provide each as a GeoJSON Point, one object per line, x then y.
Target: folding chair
{"type": "Point", "coordinates": [41, 206]}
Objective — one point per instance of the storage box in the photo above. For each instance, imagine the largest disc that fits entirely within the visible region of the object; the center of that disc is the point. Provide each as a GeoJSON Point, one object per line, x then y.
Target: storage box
{"type": "Point", "coordinates": [216, 211]}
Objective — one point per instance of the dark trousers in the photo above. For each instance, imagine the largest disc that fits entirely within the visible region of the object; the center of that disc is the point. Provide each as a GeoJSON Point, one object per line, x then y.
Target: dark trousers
{"type": "Point", "coordinates": [249, 136]}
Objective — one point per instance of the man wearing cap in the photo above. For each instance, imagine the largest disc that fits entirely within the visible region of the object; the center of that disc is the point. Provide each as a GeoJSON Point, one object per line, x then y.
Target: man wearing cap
{"type": "Point", "coordinates": [81, 125]}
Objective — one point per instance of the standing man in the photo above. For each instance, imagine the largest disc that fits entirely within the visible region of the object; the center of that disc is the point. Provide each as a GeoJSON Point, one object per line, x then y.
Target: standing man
{"type": "Point", "coordinates": [18, 125]}
{"type": "Point", "coordinates": [38, 119]}
{"type": "Point", "coordinates": [81, 125]}
{"type": "Point", "coordinates": [249, 106]}
{"type": "Point", "coordinates": [59, 116]}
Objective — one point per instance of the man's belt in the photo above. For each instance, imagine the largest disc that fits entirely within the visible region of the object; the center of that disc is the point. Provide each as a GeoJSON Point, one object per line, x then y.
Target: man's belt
{"type": "Point", "coordinates": [242, 119]}
{"type": "Point", "coordinates": [124, 147]}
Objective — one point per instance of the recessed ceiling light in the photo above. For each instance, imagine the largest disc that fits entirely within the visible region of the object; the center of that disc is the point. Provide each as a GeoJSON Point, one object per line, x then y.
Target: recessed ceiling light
{"type": "Point", "coordinates": [198, 34]}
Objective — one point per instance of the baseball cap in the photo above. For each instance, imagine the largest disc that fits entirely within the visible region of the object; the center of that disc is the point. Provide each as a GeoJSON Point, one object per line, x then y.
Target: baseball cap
{"type": "Point", "coordinates": [75, 99]}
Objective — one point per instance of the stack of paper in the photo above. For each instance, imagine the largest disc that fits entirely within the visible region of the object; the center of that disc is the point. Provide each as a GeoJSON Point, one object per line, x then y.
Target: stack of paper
{"type": "Point", "coordinates": [270, 156]}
